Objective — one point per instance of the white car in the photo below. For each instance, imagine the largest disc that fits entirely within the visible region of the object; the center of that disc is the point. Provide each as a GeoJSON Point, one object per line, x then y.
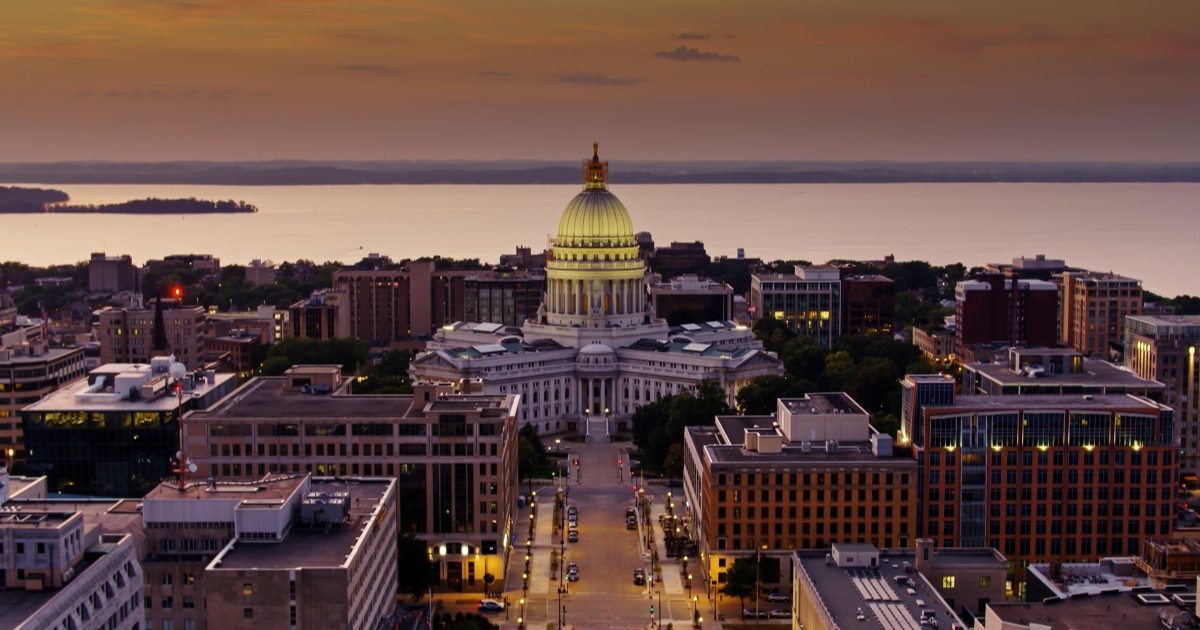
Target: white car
{"type": "Point", "coordinates": [490, 605]}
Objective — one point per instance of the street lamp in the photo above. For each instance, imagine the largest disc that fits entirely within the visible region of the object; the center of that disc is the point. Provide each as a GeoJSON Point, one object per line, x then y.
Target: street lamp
{"type": "Point", "coordinates": [659, 593]}
{"type": "Point", "coordinates": [758, 584]}
{"type": "Point", "coordinates": [557, 445]}
{"type": "Point", "coordinates": [695, 612]}
{"type": "Point", "coordinates": [521, 619]}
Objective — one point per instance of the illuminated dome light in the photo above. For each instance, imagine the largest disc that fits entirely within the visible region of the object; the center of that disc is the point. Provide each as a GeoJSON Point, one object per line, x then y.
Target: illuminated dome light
{"type": "Point", "coordinates": [595, 217]}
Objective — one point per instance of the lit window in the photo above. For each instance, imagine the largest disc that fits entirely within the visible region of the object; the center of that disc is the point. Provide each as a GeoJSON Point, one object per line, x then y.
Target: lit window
{"type": "Point", "coordinates": [985, 580]}
{"type": "Point", "coordinates": [948, 581]}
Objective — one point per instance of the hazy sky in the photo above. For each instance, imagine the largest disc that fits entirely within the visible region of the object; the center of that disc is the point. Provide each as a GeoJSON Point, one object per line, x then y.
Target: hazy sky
{"type": "Point", "coordinates": [657, 79]}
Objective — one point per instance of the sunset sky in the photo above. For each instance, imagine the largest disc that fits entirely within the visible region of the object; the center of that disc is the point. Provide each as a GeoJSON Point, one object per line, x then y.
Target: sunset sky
{"type": "Point", "coordinates": [541, 79]}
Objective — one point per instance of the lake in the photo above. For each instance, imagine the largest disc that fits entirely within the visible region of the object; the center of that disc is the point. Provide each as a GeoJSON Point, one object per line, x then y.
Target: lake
{"type": "Point", "coordinates": [1146, 231]}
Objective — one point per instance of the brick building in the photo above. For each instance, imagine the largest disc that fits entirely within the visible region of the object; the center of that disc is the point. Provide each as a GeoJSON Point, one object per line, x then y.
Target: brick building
{"type": "Point", "coordinates": [808, 476]}
{"type": "Point", "coordinates": [994, 309]}
{"type": "Point", "coordinates": [454, 455]}
{"type": "Point", "coordinates": [388, 305]}
{"type": "Point", "coordinates": [1164, 349]}
{"type": "Point", "coordinates": [1062, 478]}
{"type": "Point", "coordinates": [1093, 309]}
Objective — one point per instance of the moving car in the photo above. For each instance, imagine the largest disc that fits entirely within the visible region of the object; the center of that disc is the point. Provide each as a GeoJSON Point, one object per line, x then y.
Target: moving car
{"type": "Point", "coordinates": [572, 572]}
{"type": "Point", "coordinates": [490, 605]}
{"type": "Point", "coordinates": [639, 576]}
{"type": "Point", "coordinates": [781, 613]}
{"type": "Point", "coordinates": [779, 597]}
{"type": "Point", "coordinates": [754, 613]}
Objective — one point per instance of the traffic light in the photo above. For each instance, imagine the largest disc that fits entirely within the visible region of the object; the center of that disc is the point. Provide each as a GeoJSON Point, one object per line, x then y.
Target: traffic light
{"type": "Point", "coordinates": [576, 461]}
{"type": "Point", "coordinates": [651, 610]}
{"type": "Point", "coordinates": [618, 461]}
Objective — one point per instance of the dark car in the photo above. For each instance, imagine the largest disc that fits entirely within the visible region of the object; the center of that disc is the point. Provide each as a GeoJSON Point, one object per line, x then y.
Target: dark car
{"type": "Point", "coordinates": [573, 536]}
{"type": "Point", "coordinates": [639, 576]}
{"type": "Point", "coordinates": [572, 572]}
{"type": "Point", "coordinates": [754, 613]}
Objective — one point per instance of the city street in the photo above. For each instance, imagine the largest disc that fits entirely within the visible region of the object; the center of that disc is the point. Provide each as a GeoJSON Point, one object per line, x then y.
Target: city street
{"type": "Point", "coordinates": [607, 553]}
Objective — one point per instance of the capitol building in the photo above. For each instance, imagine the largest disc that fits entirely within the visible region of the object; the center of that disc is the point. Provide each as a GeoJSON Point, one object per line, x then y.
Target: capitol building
{"type": "Point", "coordinates": [595, 351]}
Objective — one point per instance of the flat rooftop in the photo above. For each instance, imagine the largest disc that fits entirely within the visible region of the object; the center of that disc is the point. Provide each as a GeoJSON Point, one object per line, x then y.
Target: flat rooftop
{"type": "Point", "coordinates": [1170, 321]}
{"type": "Point", "coordinates": [1100, 611]}
{"type": "Point", "coordinates": [269, 397]}
{"type": "Point", "coordinates": [711, 441]}
{"type": "Point", "coordinates": [1050, 401]}
{"type": "Point", "coordinates": [49, 355]}
{"type": "Point", "coordinates": [969, 557]}
{"type": "Point", "coordinates": [63, 399]}
{"type": "Point", "coordinates": [1096, 372]}
{"type": "Point", "coordinates": [824, 403]}
{"type": "Point", "coordinates": [886, 604]}
{"type": "Point", "coordinates": [1093, 578]}
{"type": "Point", "coordinates": [312, 547]}
{"type": "Point", "coordinates": [270, 488]}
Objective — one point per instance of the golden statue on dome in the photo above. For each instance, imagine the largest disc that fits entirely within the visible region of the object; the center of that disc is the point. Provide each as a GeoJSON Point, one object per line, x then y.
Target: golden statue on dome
{"type": "Point", "coordinates": [595, 172]}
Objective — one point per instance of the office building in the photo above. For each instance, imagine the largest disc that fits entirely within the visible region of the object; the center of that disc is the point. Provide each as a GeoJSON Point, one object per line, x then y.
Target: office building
{"type": "Point", "coordinates": [1036, 268]}
{"type": "Point", "coordinates": [1031, 371]}
{"type": "Point", "coordinates": [1042, 478]}
{"type": "Point", "coordinates": [809, 301]}
{"type": "Point", "coordinates": [130, 335]}
{"type": "Point", "coordinates": [680, 259]}
{"type": "Point", "coordinates": [453, 454]}
{"type": "Point", "coordinates": [1093, 309]}
{"type": "Point", "coordinates": [685, 299]}
{"type": "Point", "coordinates": [266, 322]}
{"type": "Point", "coordinates": [285, 550]}
{"type": "Point", "coordinates": [390, 304]}
{"type": "Point", "coordinates": [259, 272]}
{"type": "Point", "coordinates": [114, 432]}
{"type": "Point", "coordinates": [936, 345]}
{"type": "Point", "coordinates": [322, 316]}
{"type": "Point", "coordinates": [503, 296]}
{"type": "Point", "coordinates": [813, 474]}
{"type": "Point", "coordinates": [60, 568]}
{"type": "Point", "coordinates": [594, 352]}
{"type": "Point", "coordinates": [112, 274]}
{"type": "Point", "coordinates": [28, 373]}
{"type": "Point", "coordinates": [868, 305]}
{"type": "Point", "coordinates": [1164, 349]}
{"type": "Point", "coordinates": [858, 585]}
{"type": "Point", "coordinates": [993, 309]}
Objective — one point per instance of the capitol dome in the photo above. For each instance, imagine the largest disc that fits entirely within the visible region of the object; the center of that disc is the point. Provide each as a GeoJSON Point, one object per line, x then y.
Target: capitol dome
{"type": "Point", "coordinates": [595, 217]}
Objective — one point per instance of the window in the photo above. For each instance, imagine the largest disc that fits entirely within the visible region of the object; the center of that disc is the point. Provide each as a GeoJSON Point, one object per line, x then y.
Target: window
{"type": "Point", "coordinates": [247, 613]}
{"type": "Point", "coordinates": [985, 581]}
{"type": "Point", "coordinates": [948, 581]}
{"type": "Point", "coordinates": [247, 589]}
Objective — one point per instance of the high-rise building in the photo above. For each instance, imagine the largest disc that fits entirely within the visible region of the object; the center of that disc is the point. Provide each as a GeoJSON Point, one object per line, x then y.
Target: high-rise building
{"type": "Point", "coordinates": [285, 550]}
{"type": "Point", "coordinates": [809, 301]}
{"type": "Point", "coordinates": [868, 305]}
{"type": "Point", "coordinates": [993, 309]}
{"type": "Point", "coordinates": [1093, 307]}
{"type": "Point", "coordinates": [1164, 349]}
{"type": "Point", "coordinates": [681, 259]}
{"type": "Point", "coordinates": [388, 305]}
{"type": "Point", "coordinates": [812, 474]}
{"type": "Point", "coordinates": [259, 272]}
{"type": "Point", "coordinates": [62, 568]}
{"type": "Point", "coordinates": [128, 335]}
{"type": "Point", "coordinates": [503, 296]}
{"type": "Point", "coordinates": [111, 274]}
{"type": "Point", "coordinates": [454, 456]}
{"type": "Point", "coordinates": [1031, 371]}
{"type": "Point", "coordinates": [115, 432]}
{"type": "Point", "coordinates": [1056, 478]}
{"type": "Point", "coordinates": [685, 299]}
{"type": "Point", "coordinates": [28, 373]}
{"type": "Point", "coordinates": [323, 315]}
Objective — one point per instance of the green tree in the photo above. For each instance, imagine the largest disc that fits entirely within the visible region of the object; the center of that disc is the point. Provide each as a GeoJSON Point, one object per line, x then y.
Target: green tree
{"type": "Point", "coordinates": [838, 366]}
{"type": "Point", "coordinates": [741, 581]}
{"type": "Point", "coordinates": [759, 396]}
{"type": "Point", "coordinates": [419, 572]}
{"type": "Point", "coordinates": [673, 463]}
{"type": "Point", "coordinates": [532, 460]}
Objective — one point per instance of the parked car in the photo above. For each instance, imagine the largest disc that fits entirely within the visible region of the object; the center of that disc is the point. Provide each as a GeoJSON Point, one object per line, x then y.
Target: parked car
{"type": "Point", "coordinates": [639, 576]}
{"type": "Point", "coordinates": [490, 605]}
{"type": "Point", "coordinates": [754, 613]}
{"type": "Point", "coordinates": [781, 613]}
{"type": "Point", "coordinates": [573, 536]}
{"type": "Point", "coordinates": [572, 572]}
{"type": "Point", "coordinates": [572, 511]}
{"type": "Point", "coordinates": [779, 597]}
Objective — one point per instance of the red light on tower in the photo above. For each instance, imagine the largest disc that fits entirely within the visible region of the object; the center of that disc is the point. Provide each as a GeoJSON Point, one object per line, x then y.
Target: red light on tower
{"type": "Point", "coordinates": [177, 291]}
